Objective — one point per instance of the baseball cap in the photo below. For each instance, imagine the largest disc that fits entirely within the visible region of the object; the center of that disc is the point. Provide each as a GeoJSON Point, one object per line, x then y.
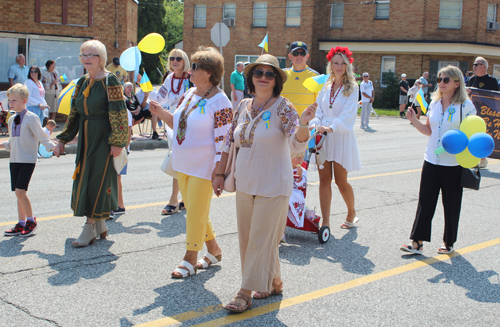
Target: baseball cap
{"type": "Point", "coordinates": [298, 45]}
{"type": "Point", "coordinates": [116, 61]}
{"type": "Point", "coordinates": [403, 75]}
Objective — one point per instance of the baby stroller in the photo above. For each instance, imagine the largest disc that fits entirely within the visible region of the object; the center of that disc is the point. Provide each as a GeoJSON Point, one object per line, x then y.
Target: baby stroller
{"type": "Point", "coordinates": [311, 220]}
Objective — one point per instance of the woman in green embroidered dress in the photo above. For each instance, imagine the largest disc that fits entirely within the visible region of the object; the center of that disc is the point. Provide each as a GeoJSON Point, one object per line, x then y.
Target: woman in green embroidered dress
{"type": "Point", "coordinates": [99, 116]}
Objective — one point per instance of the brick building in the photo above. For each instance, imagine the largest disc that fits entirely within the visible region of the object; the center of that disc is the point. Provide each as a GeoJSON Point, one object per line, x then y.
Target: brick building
{"type": "Point", "coordinates": [401, 36]}
{"type": "Point", "coordinates": [55, 29]}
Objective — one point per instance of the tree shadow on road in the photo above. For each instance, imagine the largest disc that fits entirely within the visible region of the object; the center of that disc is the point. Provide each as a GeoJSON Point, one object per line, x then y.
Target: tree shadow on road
{"type": "Point", "coordinates": [462, 273]}
{"type": "Point", "coordinates": [345, 251]}
{"type": "Point", "coordinates": [169, 226]}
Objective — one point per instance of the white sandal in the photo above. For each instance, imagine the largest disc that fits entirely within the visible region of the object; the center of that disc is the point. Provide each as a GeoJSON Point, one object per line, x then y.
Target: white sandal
{"type": "Point", "coordinates": [183, 272]}
{"type": "Point", "coordinates": [202, 264]}
{"type": "Point", "coordinates": [349, 225]}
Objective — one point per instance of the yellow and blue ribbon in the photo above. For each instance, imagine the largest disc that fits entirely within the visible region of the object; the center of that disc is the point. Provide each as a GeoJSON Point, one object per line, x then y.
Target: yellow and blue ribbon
{"type": "Point", "coordinates": [267, 117]}
{"type": "Point", "coordinates": [451, 111]}
{"type": "Point", "coordinates": [202, 106]}
{"type": "Point", "coordinates": [186, 85]}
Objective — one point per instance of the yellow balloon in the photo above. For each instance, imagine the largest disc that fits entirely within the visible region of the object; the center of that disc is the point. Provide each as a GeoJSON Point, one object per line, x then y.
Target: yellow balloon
{"type": "Point", "coordinates": [152, 43]}
{"type": "Point", "coordinates": [472, 125]}
{"type": "Point", "coordinates": [466, 159]}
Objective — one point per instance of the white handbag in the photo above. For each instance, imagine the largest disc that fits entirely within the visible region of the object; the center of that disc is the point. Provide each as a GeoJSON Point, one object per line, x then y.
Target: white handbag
{"type": "Point", "coordinates": [166, 166]}
{"type": "Point", "coordinates": [120, 161]}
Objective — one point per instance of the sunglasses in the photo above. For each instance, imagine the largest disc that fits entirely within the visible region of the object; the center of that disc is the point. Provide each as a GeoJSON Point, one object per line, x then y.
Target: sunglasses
{"type": "Point", "coordinates": [194, 66]}
{"type": "Point", "coordinates": [33, 71]}
{"type": "Point", "coordinates": [259, 73]}
{"type": "Point", "coordinates": [90, 55]}
{"type": "Point", "coordinates": [175, 58]}
{"type": "Point", "coordinates": [445, 80]}
{"type": "Point", "coordinates": [299, 53]}
{"type": "Point", "coordinates": [476, 64]}
{"type": "Point", "coordinates": [366, 76]}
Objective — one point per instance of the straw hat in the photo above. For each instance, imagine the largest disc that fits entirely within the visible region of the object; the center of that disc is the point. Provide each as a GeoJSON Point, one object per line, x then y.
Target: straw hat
{"type": "Point", "coordinates": [267, 59]}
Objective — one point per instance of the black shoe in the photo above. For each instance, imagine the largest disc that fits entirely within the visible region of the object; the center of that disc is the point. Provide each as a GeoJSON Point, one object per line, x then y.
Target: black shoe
{"type": "Point", "coordinates": [30, 228]}
{"type": "Point", "coordinates": [155, 136]}
{"type": "Point", "coordinates": [17, 230]}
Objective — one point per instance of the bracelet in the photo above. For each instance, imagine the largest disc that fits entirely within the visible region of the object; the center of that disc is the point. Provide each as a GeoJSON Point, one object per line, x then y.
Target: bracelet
{"type": "Point", "coordinates": [219, 175]}
{"type": "Point", "coordinates": [303, 126]}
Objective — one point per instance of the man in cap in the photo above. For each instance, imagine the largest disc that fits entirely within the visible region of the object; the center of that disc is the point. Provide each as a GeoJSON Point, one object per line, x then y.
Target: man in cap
{"type": "Point", "coordinates": [403, 95]}
{"type": "Point", "coordinates": [116, 69]}
{"type": "Point", "coordinates": [293, 89]}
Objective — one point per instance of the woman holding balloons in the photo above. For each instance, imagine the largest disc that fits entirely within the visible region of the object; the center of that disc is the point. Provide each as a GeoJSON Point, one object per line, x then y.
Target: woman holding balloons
{"type": "Point", "coordinates": [441, 170]}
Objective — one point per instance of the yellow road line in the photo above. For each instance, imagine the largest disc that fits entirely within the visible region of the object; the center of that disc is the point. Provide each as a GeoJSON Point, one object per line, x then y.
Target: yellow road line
{"type": "Point", "coordinates": [329, 290]}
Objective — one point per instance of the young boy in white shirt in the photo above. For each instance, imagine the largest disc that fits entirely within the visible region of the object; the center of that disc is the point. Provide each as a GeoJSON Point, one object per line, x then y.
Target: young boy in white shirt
{"type": "Point", "coordinates": [25, 131]}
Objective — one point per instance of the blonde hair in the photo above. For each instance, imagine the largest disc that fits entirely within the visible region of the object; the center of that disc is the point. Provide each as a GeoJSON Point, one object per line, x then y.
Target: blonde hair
{"type": "Point", "coordinates": [184, 56]}
{"type": "Point", "coordinates": [99, 48]}
{"type": "Point", "coordinates": [348, 78]}
{"type": "Point", "coordinates": [51, 122]}
{"type": "Point", "coordinates": [456, 75]}
{"type": "Point", "coordinates": [19, 90]}
{"type": "Point", "coordinates": [211, 61]}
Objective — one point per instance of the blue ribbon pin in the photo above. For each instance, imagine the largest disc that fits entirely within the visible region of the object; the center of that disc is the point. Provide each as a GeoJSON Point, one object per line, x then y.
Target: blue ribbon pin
{"type": "Point", "coordinates": [267, 117]}
{"type": "Point", "coordinates": [451, 111]}
{"type": "Point", "coordinates": [186, 85]}
{"type": "Point", "coordinates": [202, 106]}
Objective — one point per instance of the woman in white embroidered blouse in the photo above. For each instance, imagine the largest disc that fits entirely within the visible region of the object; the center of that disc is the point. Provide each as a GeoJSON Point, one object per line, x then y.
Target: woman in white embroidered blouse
{"type": "Point", "coordinates": [199, 124]}
{"type": "Point", "coordinates": [36, 102]}
{"type": "Point", "coordinates": [336, 114]}
{"type": "Point", "coordinates": [264, 130]}
{"type": "Point", "coordinates": [440, 172]}
{"type": "Point", "coordinates": [53, 87]}
{"type": "Point", "coordinates": [173, 89]}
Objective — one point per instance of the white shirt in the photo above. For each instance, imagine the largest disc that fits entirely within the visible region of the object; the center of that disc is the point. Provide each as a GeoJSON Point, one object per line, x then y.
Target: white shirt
{"type": "Point", "coordinates": [140, 97]}
{"type": "Point", "coordinates": [341, 145]}
{"type": "Point", "coordinates": [199, 151]}
{"type": "Point", "coordinates": [441, 122]}
{"type": "Point", "coordinates": [366, 88]}
{"type": "Point", "coordinates": [165, 96]}
{"type": "Point", "coordinates": [37, 93]}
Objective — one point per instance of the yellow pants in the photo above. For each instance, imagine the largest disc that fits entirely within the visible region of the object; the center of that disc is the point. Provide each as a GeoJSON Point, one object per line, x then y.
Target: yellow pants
{"type": "Point", "coordinates": [197, 194]}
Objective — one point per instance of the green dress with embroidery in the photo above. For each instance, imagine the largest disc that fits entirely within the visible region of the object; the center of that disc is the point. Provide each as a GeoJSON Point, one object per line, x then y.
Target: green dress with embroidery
{"type": "Point", "coordinates": [99, 116]}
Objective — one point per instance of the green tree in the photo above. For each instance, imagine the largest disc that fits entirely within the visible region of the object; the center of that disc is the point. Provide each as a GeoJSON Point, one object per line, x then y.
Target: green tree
{"type": "Point", "coordinates": [390, 94]}
{"type": "Point", "coordinates": [174, 20]}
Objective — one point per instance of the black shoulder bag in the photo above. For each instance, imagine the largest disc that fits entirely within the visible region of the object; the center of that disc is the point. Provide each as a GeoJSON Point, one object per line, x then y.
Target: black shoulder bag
{"type": "Point", "coordinates": [470, 177]}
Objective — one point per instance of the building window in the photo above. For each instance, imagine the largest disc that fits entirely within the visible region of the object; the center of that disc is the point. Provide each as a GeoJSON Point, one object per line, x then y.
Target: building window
{"type": "Point", "coordinates": [229, 10]}
{"type": "Point", "coordinates": [200, 16]}
{"type": "Point", "coordinates": [260, 14]}
{"type": "Point", "coordinates": [450, 14]}
{"type": "Point", "coordinates": [337, 18]}
{"type": "Point", "coordinates": [444, 63]}
{"type": "Point", "coordinates": [293, 13]}
{"type": "Point", "coordinates": [496, 72]}
{"type": "Point", "coordinates": [388, 66]}
{"type": "Point", "coordinates": [382, 10]}
{"type": "Point", "coordinates": [492, 13]}
{"type": "Point", "coordinates": [252, 59]}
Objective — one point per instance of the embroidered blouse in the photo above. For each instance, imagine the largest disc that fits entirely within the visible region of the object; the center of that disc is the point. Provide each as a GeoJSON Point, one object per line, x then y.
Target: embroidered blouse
{"type": "Point", "coordinates": [37, 93]}
{"type": "Point", "coordinates": [165, 96]}
{"type": "Point", "coordinates": [196, 143]}
{"type": "Point", "coordinates": [263, 162]}
{"type": "Point", "coordinates": [441, 122]}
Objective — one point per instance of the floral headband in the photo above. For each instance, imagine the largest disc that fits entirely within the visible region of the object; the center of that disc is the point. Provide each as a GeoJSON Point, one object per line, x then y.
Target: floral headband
{"type": "Point", "coordinates": [344, 50]}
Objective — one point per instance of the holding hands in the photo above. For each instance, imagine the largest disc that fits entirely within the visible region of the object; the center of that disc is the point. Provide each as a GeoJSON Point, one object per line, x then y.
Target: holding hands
{"type": "Point", "coordinates": [58, 149]}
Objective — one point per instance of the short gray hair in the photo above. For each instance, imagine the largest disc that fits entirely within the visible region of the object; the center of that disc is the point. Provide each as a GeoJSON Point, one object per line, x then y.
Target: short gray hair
{"type": "Point", "coordinates": [483, 61]}
{"type": "Point", "coordinates": [239, 63]}
{"type": "Point", "coordinates": [19, 56]}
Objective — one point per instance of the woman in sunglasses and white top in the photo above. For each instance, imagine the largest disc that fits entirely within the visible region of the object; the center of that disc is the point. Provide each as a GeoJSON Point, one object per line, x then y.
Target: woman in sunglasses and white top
{"type": "Point", "coordinates": [440, 172]}
{"type": "Point", "coordinates": [336, 115]}
{"type": "Point", "coordinates": [173, 89]}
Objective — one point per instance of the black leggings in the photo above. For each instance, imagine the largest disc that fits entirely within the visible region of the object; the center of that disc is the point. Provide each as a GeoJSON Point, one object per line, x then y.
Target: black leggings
{"type": "Point", "coordinates": [435, 178]}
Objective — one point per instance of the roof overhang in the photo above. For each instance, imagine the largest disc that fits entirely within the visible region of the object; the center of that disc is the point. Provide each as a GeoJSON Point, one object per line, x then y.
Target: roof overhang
{"type": "Point", "coordinates": [415, 47]}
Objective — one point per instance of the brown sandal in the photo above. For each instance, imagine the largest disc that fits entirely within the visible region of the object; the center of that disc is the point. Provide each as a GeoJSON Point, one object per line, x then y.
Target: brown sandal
{"type": "Point", "coordinates": [239, 307]}
{"type": "Point", "coordinates": [277, 290]}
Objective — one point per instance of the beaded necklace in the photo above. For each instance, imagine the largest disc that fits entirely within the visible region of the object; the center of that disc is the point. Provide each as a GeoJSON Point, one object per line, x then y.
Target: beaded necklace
{"type": "Point", "coordinates": [181, 130]}
{"type": "Point", "coordinates": [334, 97]}
{"type": "Point", "coordinates": [178, 86]}
{"type": "Point", "coordinates": [258, 110]}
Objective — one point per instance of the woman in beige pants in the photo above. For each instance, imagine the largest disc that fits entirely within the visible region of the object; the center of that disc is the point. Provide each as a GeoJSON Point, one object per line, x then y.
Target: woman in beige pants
{"type": "Point", "coordinates": [264, 129]}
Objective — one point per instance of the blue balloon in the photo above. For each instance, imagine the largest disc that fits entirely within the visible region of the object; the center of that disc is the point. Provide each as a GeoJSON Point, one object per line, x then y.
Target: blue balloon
{"type": "Point", "coordinates": [454, 141]}
{"type": "Point", "coordinates": [481, 145]}
{"type": "Point", "coordinates": [43, 152]}
{"type": "Point", "coordinates": [129, 59]}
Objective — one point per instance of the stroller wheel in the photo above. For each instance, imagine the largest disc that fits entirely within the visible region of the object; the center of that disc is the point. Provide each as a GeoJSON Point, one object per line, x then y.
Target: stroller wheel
{"type": "Point", "coordinates": [324, 234]}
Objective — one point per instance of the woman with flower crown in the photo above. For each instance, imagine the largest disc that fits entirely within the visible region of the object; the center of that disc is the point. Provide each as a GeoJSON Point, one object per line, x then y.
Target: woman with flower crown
{"type": "Point", "coordinates": [336, 115]}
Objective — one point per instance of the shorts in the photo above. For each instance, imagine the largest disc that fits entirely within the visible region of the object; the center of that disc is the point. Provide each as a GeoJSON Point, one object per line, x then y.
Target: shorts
{"type": "Point", "coordinates": [20, 175]}
{"type": "Point", "coordinates": [143, 114]}
{"type": "Point", "coordinates": [124, 170]}
{"type": "Point", "coordinates": [403, 99]}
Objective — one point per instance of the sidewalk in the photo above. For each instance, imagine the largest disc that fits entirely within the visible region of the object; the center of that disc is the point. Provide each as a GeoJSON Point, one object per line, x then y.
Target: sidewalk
{"type": "Point", "coordinates": [138, 142]}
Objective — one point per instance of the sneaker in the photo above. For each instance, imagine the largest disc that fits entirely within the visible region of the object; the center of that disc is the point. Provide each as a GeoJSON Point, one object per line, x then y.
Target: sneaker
{"type": "Point", "coordinates": [17, 230]}
{"type": "Point", "coordinates": [362, 127]}
{"type": "Point", "coordinates": [30, 228]}
{"type": "Point", "coordinates": [483, 163]}
{"type": "Point", "coordinates": [111, 215]}
{"type": "Point", "coordinates": [119, 210]}
{"type": "Point", "coordinates": [155, 136]}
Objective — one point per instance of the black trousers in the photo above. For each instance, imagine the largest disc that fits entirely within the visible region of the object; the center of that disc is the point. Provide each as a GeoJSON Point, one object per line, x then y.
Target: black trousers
{"type": "Point", "coordinates": [435, 178]}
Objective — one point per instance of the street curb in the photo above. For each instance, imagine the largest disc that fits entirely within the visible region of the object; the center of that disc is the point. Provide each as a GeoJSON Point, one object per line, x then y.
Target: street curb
{"type": "Point", "coordinates": [137, 145]}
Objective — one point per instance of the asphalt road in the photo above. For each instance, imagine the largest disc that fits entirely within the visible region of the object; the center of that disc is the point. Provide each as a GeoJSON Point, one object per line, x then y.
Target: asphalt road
{"type": "Point", "coordinates": [359, 278]}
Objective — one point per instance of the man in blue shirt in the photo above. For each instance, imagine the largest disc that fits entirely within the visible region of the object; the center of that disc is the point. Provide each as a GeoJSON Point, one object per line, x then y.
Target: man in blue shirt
{"type": "Point", "coordinates": [18, 73]}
